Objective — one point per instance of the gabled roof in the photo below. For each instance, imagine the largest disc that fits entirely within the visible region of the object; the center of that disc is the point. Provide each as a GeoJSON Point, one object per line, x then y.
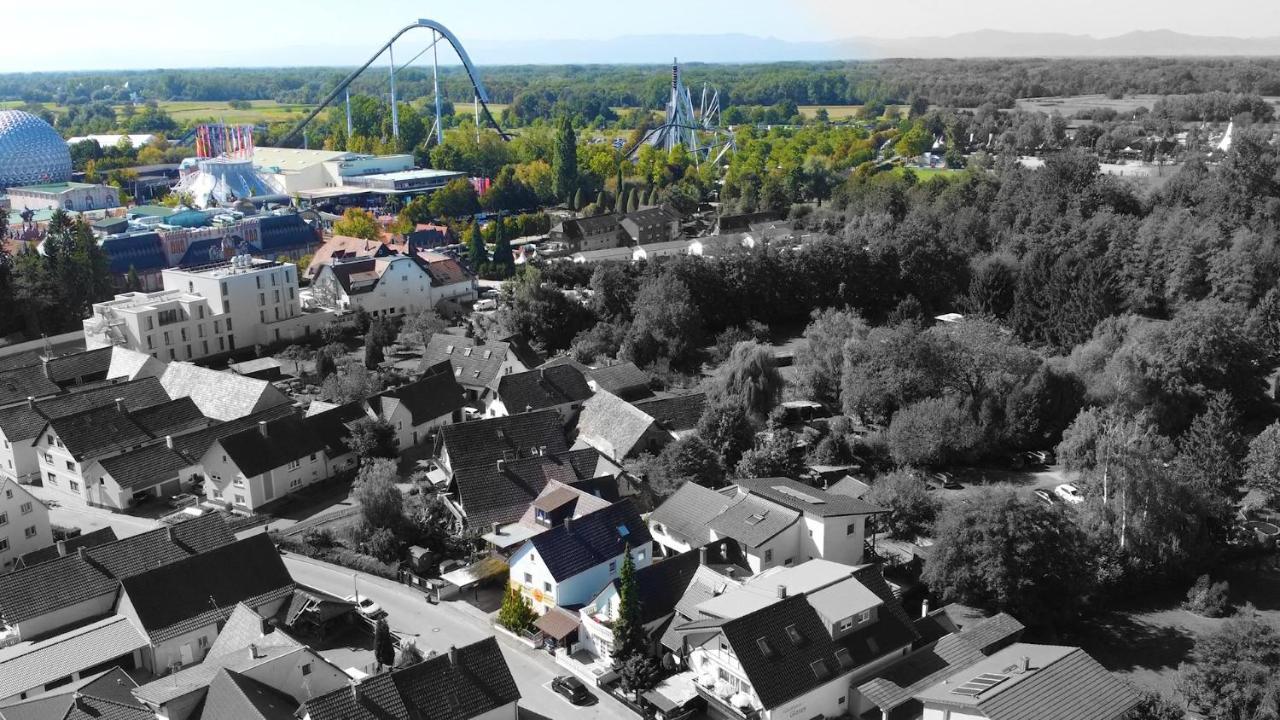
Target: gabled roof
{"type": "Point", "coordinates": [170, 418]}
{"type": "Point", "coordinates": [333, 426]}
{"type": "Point", "coordinates": [753, 521]}
{"type": "Point", "coordinates": [287, 438]}
{"type": "Point", "coordinates": [612, 425]}
{"type": "Point", "coordinates": [195, 444]}
{"type": "Point", "coordinates": [624, 380]}
{"type": "Point", "coordinates": [590, 540]}
{"type": "Point", "coordinates": [689, 512]}
{"type": "Point", "coordinates": [434, 395]}
{"type": "Point", "coordinates": [27, 665]}
{"type": "Point", "coordinates": [485, 442]}
{"type": "Point", "coordinates": [43, 588]}
{"type": "Point", "coordinates": [233, 696]}
{"type": "Point", "coordinates": [677, 413]}
{"type": "Point", "coordinates": [22, 422]}
{"type": "Point", "coordinates": [145, 467]}
{"type": "Point", "coordinates": [488, 494]}
{"type": "Point", "coordinates": [197, 677]}
{"type": "Point", "coordinates": [156, 548]}
{"type": "Point", "coordinates": [542, 388]}
{"type": "Point", "coordinates": [1061, 683]}
{"type": "Point", "coordinates": [594, 225]}
{"type": "Point", "coordinates": [474, 365]}
{"type": "Point", "coordinates": [785, 671]}
{"type": "Point", "coordinates": [23, 382]}
{"type": "Point", "coordinates": [181, 596]}
{"type": "Point", "coordinates": [807, 499]}
{"type": "Point", "coordinates": [662, 584]}
{"type": "Point", "coordinates": [220, 395]}
{"type": "Point", "coordinates": [79, 366]}
{"type": "Point", "coordinates": [99, 431]}
{"type": "Point", "coordinates": [93, 538]}
{"type": "Point", "coordinates": [478, 681]}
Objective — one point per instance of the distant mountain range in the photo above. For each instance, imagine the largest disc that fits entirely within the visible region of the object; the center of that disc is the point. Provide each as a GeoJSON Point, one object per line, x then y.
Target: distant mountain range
{"type": "Point", "coordinates": [733, 48]}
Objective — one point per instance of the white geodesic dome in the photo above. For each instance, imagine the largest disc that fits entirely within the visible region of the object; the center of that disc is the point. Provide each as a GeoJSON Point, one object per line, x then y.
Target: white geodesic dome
{"type": "Point", "coordinates": [31, 151]}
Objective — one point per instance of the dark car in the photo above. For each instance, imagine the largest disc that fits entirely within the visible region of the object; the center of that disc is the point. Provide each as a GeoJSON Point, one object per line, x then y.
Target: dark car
{"type": "Point", "coordinates": [572, 689]}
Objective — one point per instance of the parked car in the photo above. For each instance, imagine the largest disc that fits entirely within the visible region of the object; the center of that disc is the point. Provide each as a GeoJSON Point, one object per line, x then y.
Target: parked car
{"type": "Point", "coordinates": [572, 689]}
{"type": "Point", "coordinates": [945, 480]}
{"type": "Point", "coordinates": [1045, 497]}
{"type": "Point", "coordinates": [486, 305]}
{"type": "Point", "coordinates": [1069, 494]}
{"type": "Point", "coordinates": [183, 500]}
{"type": "Point", "coordinates": [367, 607]}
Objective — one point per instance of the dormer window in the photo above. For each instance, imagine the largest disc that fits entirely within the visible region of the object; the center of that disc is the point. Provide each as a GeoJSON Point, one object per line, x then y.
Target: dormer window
{"type": "Point", "coordinates": [795, 636]}
{"type": "Point", "coordinates": [820, 670]}
{"type": "Point", "coordinates": [766, 648]}
{"type": "Point", "coordinates": [448, 350]}
{"type": "Point", "coordinates": [467, 352]}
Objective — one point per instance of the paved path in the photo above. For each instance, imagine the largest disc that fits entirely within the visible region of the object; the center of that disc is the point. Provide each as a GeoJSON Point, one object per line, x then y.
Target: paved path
{"type": "Point", "coordinates": [436, 627]}
{"type": "Point", "coordinates": [68, 514]}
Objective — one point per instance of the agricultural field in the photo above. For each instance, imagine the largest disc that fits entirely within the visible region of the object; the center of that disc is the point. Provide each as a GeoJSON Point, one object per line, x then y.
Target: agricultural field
{"type": "Point", "coordinates": [261, 111]}
{"type": "Point", "coordinates": [1068, 105]}
{"type": "Point", "coordinates": [835, 112]}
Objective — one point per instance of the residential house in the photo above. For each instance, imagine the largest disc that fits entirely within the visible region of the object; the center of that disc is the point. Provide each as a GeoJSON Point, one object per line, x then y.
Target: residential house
{"type": "Point", "coordinates": [182, 605]}
{"type": "Point", "coordinates": [568, 564]}
{"type": "Point", "coordinates": [70, 590]}
{"type": "Point", "coordinates": [486, 496]}
{"type": "Point", "coordinates": [220, 395]}
{"type": "Point", "coordinates": [264, 368]}
{"type": "Point", "coordinates": [19, 383]}
{"type": "Point", "coordinates": [659, 587]}
{"type": "Point", "coordinates": [558, 501]}
{"type": "Point", "coordinates": [777, 521]}
{"type": "Point", "coordinates": [333, 427]}
{"type": "Point", "coordinates": [795, 642]}
{"type": "Point", "coordinates": [452, 285]}
{"type": "Point", "coordinates": [72, 448]}
{"type": "Point", "coordinates": [651, 225]}
{"type": "Point", "coordinates": [677, 413]}
{"type": "Point", "coordinates": [21, 424]}
{"type": "Point", "coordinates": [653, 251]}
{"type": "Point", "coordinates": [104, 694]}
{"type": "Point", "coordinates": [467, 683]}
{"type": "Point", "coordinates": [477, 367]}
{"type": "Point", "coordinates": [24, 523]}
{"type": "Point", "coordinates": [618, 429]}
{"type": "Point", "coordinates": [622, 379]}
{"type": "Point", "coordinates": [395, 285]}
{"type": "Point", "coordinates": [60, 548]}
{"type": "Point", "coordinates": [343, 247]}
{"type": "Point", "coordinates": [562, 388]}
{"type": "Point", "coordinates": [28, 669]}
{"type": "Point", "coordinates": [420, 408]}
{"type": "Point", "coordinates": [1046, 682]}
{"type": "Point", "coordinates": [507, 438]}
{"type": "Point", "coordinates": [741, 223]}
{"type": "Point", "coordinates": [257, 465]}
{"type": "Point", "coordinates": [588, 234]}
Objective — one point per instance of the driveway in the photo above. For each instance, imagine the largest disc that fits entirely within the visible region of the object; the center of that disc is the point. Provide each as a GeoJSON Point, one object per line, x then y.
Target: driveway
{"type": "Point", "coordinates": [436, 627]}
{"type": "Point", "coordinates": [66, 513]}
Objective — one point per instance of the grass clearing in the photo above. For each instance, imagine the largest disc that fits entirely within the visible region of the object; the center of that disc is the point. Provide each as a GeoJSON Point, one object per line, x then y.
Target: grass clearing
{"type": "Point", "coordinates": [835, 112]}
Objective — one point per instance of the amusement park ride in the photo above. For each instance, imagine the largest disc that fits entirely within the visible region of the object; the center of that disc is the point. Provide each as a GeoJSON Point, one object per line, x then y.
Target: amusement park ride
{"type": "Point", "coordinates": [698, 131]}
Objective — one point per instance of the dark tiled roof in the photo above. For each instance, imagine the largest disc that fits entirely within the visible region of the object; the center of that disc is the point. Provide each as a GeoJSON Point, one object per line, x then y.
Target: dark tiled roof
{"type": "Point", "coordinates": [50, 586]}
{"type": "Point", "coordinates": [688, 513]}
{"type": "Point", "coordinates": [590, 540]}
{"type": "Point", "coordinates": [485, 442]}
{"type": "Point", "coordinates": [434, 689]}
{"type": "Point", "coordinates": [736, 223]}
{"type": "Point", "coordinates": [145, 467]}
{"type": "Point", "coordinates": [787, 672]}
{"type": "Point", "coordinates": [753, 521]}
{"type": "Point", "coordinates": [170, 418]}
{"type": "Point", "coordinates": [488, 495]}
{"type": "Point", "coordinates": [872, 578]}
{"type": "Point", "coordinates": [21, 383]}
{"type": "Point", "coordinates": [180, 596]}
{"type": "Point", "coordinates": [899, 684]}
{"type": "Point", "coordinates": [474, 365]}
{"type": "Point", "coordinates": [17, 360]}
{"type": "Point", "coordinates": [333, 426]}
{"type": "Point", "coordinates": [89, 364]}
{"type": "Point", "coordinates": [288, 438]}
{"type": "Point", "coordinates": [99, 431]}
{"type": "Point", "coordinates": [93, 538]}
{"type": "Point", "coordinates": [92, 708]}
{"type": "Point", "coordinates": [543, 388]}
{"type": "Point", "coordinates": [624, 380]}
{"type": "Point", "coordinates": [662, 584]}
{"type": "Point", "coordinates": [203, 533]}
{"type": "Point", "coordinates": [195, 445]}
{"type": "Point", "coordinates": [593, 225]}
{"type": "Point", "coordinates": [288, 231]}
{"type": "Point", "coordinates": [356, 275]}
{"type": "Point", "coordinates": [22, 422]}
{"type": "Point", "coordinates": [807, 499]}
{"type": "Point", "coordinates": [993, 633]}
{"type": "Point", "coordinates": [1073, 687]}
{"type": "Point", "coordinates": [137, 554]}
{"type": "Point", "coordinates": [436, 394]}
{"type": "Point", "coordinates": [141, 251]}
{"type": "Point", "coordinates": [233, 696]}
{"type": "Point", "coordinates": [675, 412]}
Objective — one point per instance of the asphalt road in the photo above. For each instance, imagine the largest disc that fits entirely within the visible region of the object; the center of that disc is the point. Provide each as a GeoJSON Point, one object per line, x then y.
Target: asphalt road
{"type": "Point", "coordinates": [436, 627]}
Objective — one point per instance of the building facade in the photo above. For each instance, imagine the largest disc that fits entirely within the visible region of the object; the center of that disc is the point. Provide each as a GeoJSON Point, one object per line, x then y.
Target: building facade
{"type": "Point", "coordinates": [24, 523]}
{"type": "Point", "coordinates": [72, 196]}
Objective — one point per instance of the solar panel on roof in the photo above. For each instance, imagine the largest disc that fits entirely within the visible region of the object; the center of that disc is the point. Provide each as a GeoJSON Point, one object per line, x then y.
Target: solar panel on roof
{"type": "Point", "coordinates": [980, 684]}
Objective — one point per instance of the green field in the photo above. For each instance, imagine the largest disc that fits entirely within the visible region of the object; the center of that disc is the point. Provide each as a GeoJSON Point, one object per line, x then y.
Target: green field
{"type": "Point", "coordinates": [262, 111]}
{"type": "Point", "coordinates": [835, 112]}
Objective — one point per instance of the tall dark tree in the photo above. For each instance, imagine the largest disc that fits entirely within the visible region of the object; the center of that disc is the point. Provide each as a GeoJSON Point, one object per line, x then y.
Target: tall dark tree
{"type": "Point", "coordinates": [477, 253]}
{"type": "Point", "coordinates": [564, 161]}
{"type": "Point", "coordinates": [384, 650]}
{"type": "Point", "coordinates": [628, 628]}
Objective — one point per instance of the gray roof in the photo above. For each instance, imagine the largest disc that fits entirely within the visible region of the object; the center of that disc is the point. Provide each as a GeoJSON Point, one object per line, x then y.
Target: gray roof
{"type": "Point", "coordinates": [807, 499]}
{"type": "Point", "coordinates": [688, 513]}
{"type": "Point", "coordinates": [23, 422]}
{"type": "Point", "coordinates": [542, 388]}
{"type": "Point", "coordinates": [27, 665]}
{"type": "Point", "coordinates": [220, 395]}
{"type": "Point", "coordinates": [613, 426]}
{"type": "Point", "coordinates": [753, 521]}
{"type": "Point", "coordinates": [624, 380]}
{"type": "Point", "coordinates": [676, 413]}
{"type": "Point", "coordinates": [474, 365]}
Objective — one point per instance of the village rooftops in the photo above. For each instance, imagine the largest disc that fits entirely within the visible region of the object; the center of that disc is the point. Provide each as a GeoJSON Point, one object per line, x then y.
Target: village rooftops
{"type": "Point", "coordinates": [587, 541]}
{"type": "Point", "coordinates": [687, 515]}
{"type": "Point", "coordinates": [25, 421]}
{"type": "Point", "coordinates": [33, 664]}
{"type": "Point", "coordinates": [485, 442]}
{"type": "Point", "coordinates": [434, 395]}
{"type": "Point", "coordinates": [542, 388]}
{"type": "Point", "coordinates": [474, 365]}
{"type": "Point", "coordinates": [807, 499]}
{"type": "Point", "coordinates": [624, 380]}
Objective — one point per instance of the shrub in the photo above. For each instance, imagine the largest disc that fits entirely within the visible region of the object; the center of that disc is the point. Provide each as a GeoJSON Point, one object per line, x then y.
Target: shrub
{"type": "Point", "coordinates": [1208, 598]}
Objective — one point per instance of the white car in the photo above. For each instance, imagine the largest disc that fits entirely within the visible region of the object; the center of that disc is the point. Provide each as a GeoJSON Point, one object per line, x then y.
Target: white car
{"type": "Point", "coordinates": [1069, 494]}
{"type": "Point", "coordinates": [366, 606]}
{"type": "Point", "coordinates": [486, 305]}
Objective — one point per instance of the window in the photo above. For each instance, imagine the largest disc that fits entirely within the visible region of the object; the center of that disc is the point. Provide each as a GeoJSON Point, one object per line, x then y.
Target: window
{"type": "Point", "coordinates": [768, 555]}
{"type": "Point", "coordinates": [765, 647]}
{"type": "Point", "coordinates": [30, 532]}
{"type": "Point", "coordinates": [295, 464]}
{"type": "Point", "coordinates": [48, 459]}
{"type": "Point", "coordinates": [258, 280]}
{"type": "Point", "coordinates": [613, 566]}
{"type": "Point", "coordinates": [4, 544]}
{"type": "Point", "coordinates": [217, 327]}
{"type": "Point", "coordinates": [183, 333]}
{"type": "Point", "coordinates": [640, 556]}
{"type": "Point", "coordinates": [820, 670]}
{"type": "Point", "coordinates": [167, 341]}
{"type": "Point", "coordinates": [864, 616]}
{"type": "Point", "coordinates": [277, 313]}
{"type": "Point", "coordinates": [205, 345]}
{"type": "Point", "coordinates": [49, 438]}
{"type": "Point", "coordinates": [546, 587]}
{"type": "Point", "coordinates": [75, 486]}
{"type": "Point", "coordinates": [239, 481]}
{"type": "Point", "coordinates": [221, 345]}
{"type": "Point", "coordinates": [228, 324]}
{"type": "Point", "coordinates": [71, 466]}
{"type": "Point", "coordinates": [150, 344]}
{"type": "Point", "coordinates": [239, 499]}
{"type": "Point", "coordinates": [151, 323]}
{"type": "Point", "coordinates": [528, 579]}
{"type": "Point", "coordinates": [172, 355]}
{"type": "Point", "coordinates": [290, 293]}
{"type": "Point", "coordinates": [202, 642]}
{"type": "Point", "coordinates": [845, 624]}
{"type": "Point", "coordinates": [262, 316]}
{"type": "Point", "coordinates": [188, 351]}
{"type": "Point", "coordinates": [226, 306]}
{"type": "Point", "coordinates": [199, 331]}
{"type": "Point", "coordinates": [4, 518]}
{"type": "Point", "coordinates": [794, 635]}
{"type": "Point", "coordinates": [52, 479]}
{"type": "Point", "coordinates": [276, 293]}
{"type": "Point", "coordinates": [262, 299]}
{"type": "Point", "coordinates": [853, 528]}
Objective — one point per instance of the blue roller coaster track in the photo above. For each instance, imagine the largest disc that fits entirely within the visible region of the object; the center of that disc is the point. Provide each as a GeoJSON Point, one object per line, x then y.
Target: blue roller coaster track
{"type": "Point", "coordinates": [482, 96]}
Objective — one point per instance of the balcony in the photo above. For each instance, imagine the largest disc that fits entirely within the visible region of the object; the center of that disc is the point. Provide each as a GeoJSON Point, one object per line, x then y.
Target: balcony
{"type": "Point", "coordinates": [724, 707]}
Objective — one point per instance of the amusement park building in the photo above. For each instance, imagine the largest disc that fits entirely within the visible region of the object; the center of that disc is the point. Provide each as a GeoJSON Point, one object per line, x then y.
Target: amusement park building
{"type": "Point", "coordinates": [206, 311]}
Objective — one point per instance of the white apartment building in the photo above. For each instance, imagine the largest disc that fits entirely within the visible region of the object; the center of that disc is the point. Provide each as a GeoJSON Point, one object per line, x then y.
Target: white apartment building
{"type": "Point", "coordinates": [205, 311]}
{"type": "Point", "coordinates": [24, 523]}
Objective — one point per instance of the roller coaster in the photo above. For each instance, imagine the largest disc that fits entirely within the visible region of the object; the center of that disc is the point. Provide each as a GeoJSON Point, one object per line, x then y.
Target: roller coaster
{"type": "Point", "coordinates": [438, 32]}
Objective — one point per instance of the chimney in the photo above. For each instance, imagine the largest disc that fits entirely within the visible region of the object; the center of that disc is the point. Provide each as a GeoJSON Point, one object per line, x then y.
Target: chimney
{"type": "Point", "coordinates": [355, 693]}
{"type": "Point", "coordinates": [782, 592]}
{"type": "Point", "coordinates": [262, 427]}
{"type": "Point", "coordinates": [1024, 664]}
{"type": "Point", "coordinates": [253, 651]}
{"type": "Point", "coordinates": [83, 554]}
{"type": "Point", "coordinates": [568, 524]}
{"type": "Point", "coordinates": [62, 548]}
{"type": "Point", "coordinates": [168, 533]}
{"type": "Point", "coordinates": [168, 441]}
{"type": "Point", "coordinates": [495, 527]}
{"type": "Point", "coordinates": [702, 555]}
{"type": "Point", "coordinates": [299, 410]}
{"type": "Point", "coordinates": [924, 608]}
{"type": "Point", "coordinates": [728, 572]}
{"type": "Point", "coordinates": [31, 403]}
{"type": "Point", "coordinates": [453, 655]}
{"type": "Point", "coordinates": [120, 405]}
{"type": "Point", "coordinates": [44, 362]}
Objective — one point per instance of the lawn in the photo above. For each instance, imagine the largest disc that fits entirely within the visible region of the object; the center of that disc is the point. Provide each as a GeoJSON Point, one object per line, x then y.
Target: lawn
{"type": "Point", "coordinates": [835, 112]}
{"type": "Point", "coordinates": [262, 111]}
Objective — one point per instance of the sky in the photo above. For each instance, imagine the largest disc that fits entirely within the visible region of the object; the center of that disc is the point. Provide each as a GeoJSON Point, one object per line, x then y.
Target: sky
{"type": "Point", "coordinates": [92, 34]}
